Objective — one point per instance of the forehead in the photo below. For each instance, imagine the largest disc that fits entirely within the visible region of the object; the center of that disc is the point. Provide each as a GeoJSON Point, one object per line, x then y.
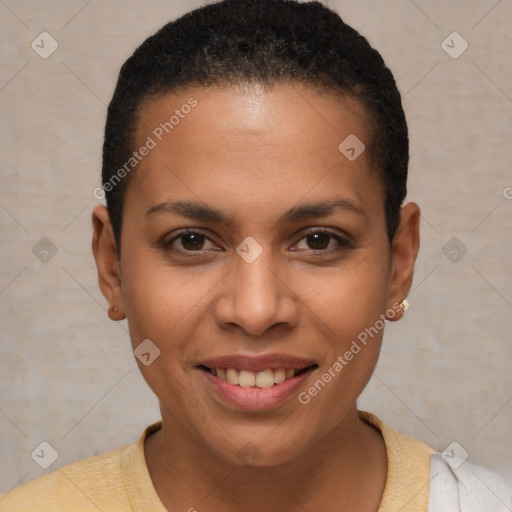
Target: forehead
{"type": "Point", "coordinates": [227, 144]}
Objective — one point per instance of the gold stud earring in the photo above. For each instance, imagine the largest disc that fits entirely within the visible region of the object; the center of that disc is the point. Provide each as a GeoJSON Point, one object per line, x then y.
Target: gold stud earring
{"type": "Point", "coordinates": [405, 305]}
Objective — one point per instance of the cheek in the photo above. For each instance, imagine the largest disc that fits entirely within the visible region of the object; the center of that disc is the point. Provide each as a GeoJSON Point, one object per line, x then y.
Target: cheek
{"type": "Point", "coordinates": [347, 311]}
{"type": "Point", "coordinates": [352, 328]}
{"type": "Point", "coordinates": [160, 299]}
{"type": "Point", "coordinates": [347, 299]}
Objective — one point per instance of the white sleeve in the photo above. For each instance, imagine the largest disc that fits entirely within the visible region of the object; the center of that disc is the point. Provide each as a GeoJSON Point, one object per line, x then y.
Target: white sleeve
{"type": "Point", "coordinates": [468, 488]}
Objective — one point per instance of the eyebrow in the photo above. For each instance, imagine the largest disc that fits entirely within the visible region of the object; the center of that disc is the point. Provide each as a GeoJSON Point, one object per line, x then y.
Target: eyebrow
{"type": "Point", "coordinates": [198, 211]}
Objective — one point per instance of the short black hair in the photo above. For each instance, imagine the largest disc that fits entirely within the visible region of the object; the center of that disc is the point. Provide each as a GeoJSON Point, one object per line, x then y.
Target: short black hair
{"type": "Point", "coordinates": [269, 42]}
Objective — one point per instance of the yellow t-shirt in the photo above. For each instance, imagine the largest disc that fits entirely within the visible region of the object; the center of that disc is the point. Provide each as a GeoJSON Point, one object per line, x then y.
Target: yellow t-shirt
{"type": "Point", "coordinates": [119, 480]}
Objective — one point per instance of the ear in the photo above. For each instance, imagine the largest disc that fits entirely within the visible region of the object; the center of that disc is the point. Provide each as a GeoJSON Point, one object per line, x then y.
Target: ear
{"type": "Point", "coordinates": [105, 255]}
{"type": "Point", "coordinates": [404, 250]}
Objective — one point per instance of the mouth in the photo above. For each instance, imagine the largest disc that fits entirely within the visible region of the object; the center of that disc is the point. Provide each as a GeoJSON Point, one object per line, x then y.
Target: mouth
{"type": "Point", "coordinates": [256, 383]}
{"type": "Point", "coordinates": [263, 379]}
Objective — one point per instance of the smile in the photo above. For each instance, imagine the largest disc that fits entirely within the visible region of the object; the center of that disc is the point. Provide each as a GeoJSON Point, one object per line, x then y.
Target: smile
{"type": "Point", "coordinates": [255, 383]}
{"type": "Point", "coordinates": [263, 379]}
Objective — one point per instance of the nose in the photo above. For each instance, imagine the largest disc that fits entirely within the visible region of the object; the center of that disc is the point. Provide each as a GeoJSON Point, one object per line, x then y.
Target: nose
{"type": "Point", "coordinates": [255, 297]}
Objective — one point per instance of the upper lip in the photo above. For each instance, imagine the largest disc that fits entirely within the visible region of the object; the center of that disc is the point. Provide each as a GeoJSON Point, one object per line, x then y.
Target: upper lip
{"type": "Point", "coordinates": [257, 363]}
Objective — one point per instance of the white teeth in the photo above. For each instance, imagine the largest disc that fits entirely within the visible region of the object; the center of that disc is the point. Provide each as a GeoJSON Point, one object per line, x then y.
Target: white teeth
{"type": "Point", "coordinates": [279, 375]}
{"type": "Point", "coordinates": [265, 379]}
{"type": "Point", "coordinates": [232, 376]}
{"type": "Point", "coordinates": [247, 379]}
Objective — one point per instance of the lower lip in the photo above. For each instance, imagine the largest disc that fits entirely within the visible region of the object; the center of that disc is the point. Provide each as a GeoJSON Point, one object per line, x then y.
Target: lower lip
{"type": "Point", "coordinates": [256, 399]}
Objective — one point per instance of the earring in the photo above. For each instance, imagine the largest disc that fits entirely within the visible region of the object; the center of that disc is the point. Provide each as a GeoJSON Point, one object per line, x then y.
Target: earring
{"type": "Point", "coordinates": [405, 305]}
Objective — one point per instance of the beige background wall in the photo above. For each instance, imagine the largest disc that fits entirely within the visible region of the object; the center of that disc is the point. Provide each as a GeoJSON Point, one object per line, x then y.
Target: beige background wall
{"type": "Point", "coordinates": [67, 375]}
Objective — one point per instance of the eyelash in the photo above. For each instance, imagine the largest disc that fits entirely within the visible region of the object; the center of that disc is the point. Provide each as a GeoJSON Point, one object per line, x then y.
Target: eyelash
{"type": "Point", "coordinates": [343, 243]}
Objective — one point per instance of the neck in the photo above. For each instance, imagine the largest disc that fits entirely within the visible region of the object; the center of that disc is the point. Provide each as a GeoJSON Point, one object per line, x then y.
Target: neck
{"type": "Point", "coordinates": [348, 467]}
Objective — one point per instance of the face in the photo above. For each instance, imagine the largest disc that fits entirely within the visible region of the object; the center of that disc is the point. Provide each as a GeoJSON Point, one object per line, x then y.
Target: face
{"type": "Point", "coordinates": [254, 258]}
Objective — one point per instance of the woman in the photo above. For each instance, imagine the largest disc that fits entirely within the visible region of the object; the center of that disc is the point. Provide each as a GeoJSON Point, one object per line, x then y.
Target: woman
{"type": "Point", "coordinates": [255, 166]}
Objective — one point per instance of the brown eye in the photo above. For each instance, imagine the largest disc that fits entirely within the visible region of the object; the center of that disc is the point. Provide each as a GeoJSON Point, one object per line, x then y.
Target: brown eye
{"type": "Point", "coordinates": [188, 241]}
{"type": "Point", "coordinates": [318, 241]}
{"type": "Point", "coordinates": [192, 241]}
{"type": "Point", "coordinates": [323, 242]}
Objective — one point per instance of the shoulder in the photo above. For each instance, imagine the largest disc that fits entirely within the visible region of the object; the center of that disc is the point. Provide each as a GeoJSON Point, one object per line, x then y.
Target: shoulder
{"type": "Point", "coordinates": [89, 484]}
{"type": "Point", "coordinates": [403, 450]}
{"type": "Point", "coordinates": [461, 486]}
{"type": "Point", "coordinates": [408, 468]}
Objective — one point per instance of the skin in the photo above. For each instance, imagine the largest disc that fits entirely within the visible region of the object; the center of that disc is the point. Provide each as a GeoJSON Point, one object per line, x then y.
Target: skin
{"type": "Point", "coordinates": [254, 154]}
